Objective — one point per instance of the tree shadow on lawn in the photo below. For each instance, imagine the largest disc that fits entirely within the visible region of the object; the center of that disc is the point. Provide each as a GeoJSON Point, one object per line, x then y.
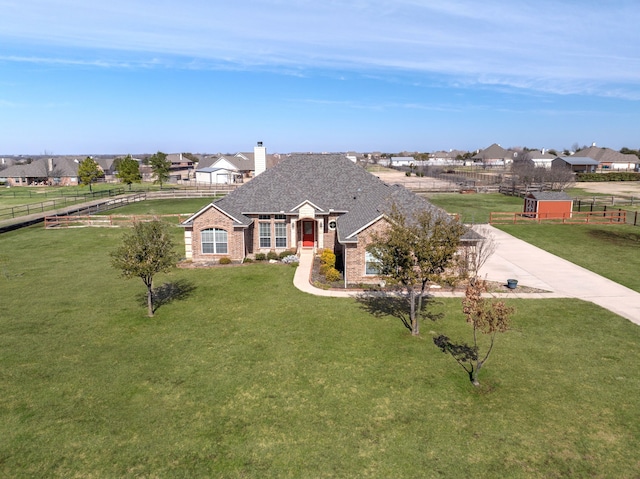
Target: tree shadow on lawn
{"type": "Point", "coordinates": [396, 304]}
{"type": "Point", "coordinates": [616, 237]}
{"type": "Point", "coordinates": [169, 292]}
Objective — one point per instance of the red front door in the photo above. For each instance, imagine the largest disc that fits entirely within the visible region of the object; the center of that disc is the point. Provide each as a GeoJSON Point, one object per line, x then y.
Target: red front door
{"type": "Point", "coordinates": [308, 236]}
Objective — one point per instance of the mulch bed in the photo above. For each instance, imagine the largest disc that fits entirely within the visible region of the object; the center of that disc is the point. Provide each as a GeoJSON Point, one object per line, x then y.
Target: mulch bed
{"type": "Point", "coordinates": [493, 286]}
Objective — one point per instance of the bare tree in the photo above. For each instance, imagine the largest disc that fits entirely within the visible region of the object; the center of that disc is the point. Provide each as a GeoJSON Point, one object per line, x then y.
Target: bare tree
{"type": "Point", "coordinates": [479, 253]}
{"type": "Point", "coordinates": [488, 317]}
{"type": "Point", "coordinates": [560, 178]}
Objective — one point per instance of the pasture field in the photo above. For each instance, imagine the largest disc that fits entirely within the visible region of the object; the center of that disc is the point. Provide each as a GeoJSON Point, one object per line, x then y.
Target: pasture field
{"type": "Point", "coordinates": [240, 375]}
{"type": "Point", "coordinates": [475, 208]}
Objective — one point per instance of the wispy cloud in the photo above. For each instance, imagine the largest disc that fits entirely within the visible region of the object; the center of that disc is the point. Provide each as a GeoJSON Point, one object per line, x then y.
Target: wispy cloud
{"type": "Point", "coordinates": [560, 46]}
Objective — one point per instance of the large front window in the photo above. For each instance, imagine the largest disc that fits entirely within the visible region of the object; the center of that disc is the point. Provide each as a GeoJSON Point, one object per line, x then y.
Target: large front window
{"type": "Point", "coordinates": [281, 235]}
{"type": "Point", "coordinates": [372, 264]}
{"type": "Point", "coordinates": [214, 241]}
{"type": "Point", "coordinates": [265, 235]}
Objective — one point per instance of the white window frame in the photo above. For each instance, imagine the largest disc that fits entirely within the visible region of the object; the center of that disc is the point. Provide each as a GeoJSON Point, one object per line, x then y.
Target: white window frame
{"type": "Point", "coordinates": [215, 239]}
{"type": "Point", "coordinates": [264, 239]}
{"type": "Point", "coordinates": [281, 236]}
{"type": "Point", "coordinates": [370, 259]}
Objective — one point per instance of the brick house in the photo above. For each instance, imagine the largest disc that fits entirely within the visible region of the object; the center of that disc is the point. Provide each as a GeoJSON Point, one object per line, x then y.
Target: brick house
{"type": "Point", "coordinates": [57, 171]}
{"type": "Point", "coordinates": [306, 201]}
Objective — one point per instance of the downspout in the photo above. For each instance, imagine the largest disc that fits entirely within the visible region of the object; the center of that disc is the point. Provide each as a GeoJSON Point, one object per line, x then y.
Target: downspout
{"type": "Point", "coordinates": [344, 265]}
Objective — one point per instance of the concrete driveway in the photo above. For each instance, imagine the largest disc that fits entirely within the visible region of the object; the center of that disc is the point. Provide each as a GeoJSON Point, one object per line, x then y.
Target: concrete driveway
{"type": "Point", "coordinates": [531, 266]}
{"type": "Point", "coordinates": [535, 267]}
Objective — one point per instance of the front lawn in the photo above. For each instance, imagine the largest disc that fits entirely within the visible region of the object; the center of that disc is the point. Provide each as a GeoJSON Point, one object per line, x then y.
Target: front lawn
{"type": "Point", "coordinates": [245, 376]}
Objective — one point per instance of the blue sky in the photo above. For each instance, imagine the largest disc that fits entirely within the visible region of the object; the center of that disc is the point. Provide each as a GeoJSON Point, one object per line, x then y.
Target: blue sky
{"type": "Point", "coordinates": [135, 76]}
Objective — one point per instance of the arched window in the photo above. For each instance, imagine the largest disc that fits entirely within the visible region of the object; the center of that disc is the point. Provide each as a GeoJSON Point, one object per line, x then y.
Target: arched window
{"type": "Point", "coordinates": [214, 241]}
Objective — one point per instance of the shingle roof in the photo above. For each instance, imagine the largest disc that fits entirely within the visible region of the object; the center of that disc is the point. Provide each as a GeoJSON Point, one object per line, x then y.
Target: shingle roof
{"type": "Point", "coordinates": [607, 155]}
{"type": "Point", "coordinates": [330, 182]}
{"type": "Point", "coordinates": [493, 152]}
{"type": "Point", "coordinates": [62, 167]}
{"type": "Point", "coordinates": [550, 195]}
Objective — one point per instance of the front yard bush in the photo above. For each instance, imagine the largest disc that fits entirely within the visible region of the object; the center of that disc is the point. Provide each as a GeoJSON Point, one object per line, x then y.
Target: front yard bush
{"type": "Point", "coordinates": [225, 260]}
{"type": "Point", "coordinates": [332, 275]}
{"type": "Point", "coordinates": [328, 257]}
{"type": "Point", "coordinates": [287, 253]}
{"type": "Point", "coordinates": [261, 257]}
{"type": "Point", "coordinates": [272, 255]}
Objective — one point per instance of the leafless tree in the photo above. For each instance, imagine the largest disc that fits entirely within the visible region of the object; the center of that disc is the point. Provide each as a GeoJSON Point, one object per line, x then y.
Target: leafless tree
{"type": "Point", "coordinates": [560, 178]}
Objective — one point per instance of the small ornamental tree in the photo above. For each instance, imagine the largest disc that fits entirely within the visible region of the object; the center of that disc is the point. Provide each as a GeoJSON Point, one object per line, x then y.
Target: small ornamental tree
{"type": "Point", "coordinates": [147, 249]}
{"type": "Point", "coordinates": [89, 172]}
{"type": "Point", "coordinates": [160, 166]}
{"type": "Point", "coordinates": [487, 317]}
{"type": "Point", "coordinates": [415, 250]}
{"type": "Point", "coordinates": [129, 171]}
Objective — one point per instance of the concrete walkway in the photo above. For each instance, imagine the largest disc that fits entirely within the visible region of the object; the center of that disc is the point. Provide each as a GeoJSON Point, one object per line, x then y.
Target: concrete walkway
{"type": "Point", "coordinates": [531, 266]}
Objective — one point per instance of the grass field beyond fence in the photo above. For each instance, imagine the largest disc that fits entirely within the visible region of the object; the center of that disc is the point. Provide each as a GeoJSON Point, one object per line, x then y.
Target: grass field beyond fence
{"type": "Point", "coordinates": [243, 376]}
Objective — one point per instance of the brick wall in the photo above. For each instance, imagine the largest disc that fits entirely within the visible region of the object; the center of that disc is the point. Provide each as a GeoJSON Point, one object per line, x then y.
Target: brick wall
{"type": "Point", "coordinates": [253, 235]}
{"type": "Point", "coordinates": [355, 267]}
{"type": "Point", "coordinates": [212, 218]}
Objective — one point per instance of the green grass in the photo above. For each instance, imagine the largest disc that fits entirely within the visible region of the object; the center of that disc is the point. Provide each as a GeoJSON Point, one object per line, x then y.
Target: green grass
{"type": "Point", "coordinates": [247, 377]}
{"type": "Point", "coordinates": [162, 207]}
{"type": "Point", "coordinates": [475, 208]}
{"type": "Point", "coordinates": [609, 250]}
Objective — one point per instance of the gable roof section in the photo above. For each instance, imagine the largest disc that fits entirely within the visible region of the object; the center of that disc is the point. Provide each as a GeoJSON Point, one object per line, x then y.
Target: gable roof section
{"type": "Point", "coordinates": [236, 221]}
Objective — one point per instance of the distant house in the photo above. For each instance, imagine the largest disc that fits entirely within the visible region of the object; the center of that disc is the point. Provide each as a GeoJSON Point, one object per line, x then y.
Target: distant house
{"type": "Point", "coordinates": [548, 204]}
{"type": "Point", "coordinates": [57, 171]}
{"type": "Point", "coordinates": [181, 167]}
{"type": "Point", "coordinates": [609, 159]}
{"type": "Point", "coordinates": [217, 176]}
{"type": "Point", "coordinates": [539, 159]}
{"type": "Point", "coordinates": [577, 164]}
{"type": "Point", "coordinates": [400, 161]}
{"type": "Point", "coordinates": [494, 155]}
{"type": "Point", "coordinates": [240, 166]}
{"type": "Point", "coordinates": [446, 157]}
{"type": "Point", "coordinates": [306, 201]}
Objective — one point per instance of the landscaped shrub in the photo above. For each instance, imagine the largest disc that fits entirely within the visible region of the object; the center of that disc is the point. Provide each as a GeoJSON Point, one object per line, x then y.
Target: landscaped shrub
{"type": "Point", "coordinates": [261, 256]}
{"type": "Point", "coordinates": [332, 275]}
{"type": "Point", "coordinates": [225, 260]}
{"type": "Point", "coordinates": [247, 260]}
{"type": "Point", "coordinates": [272, 255]}
{"type": "Point", "coordinates": [324, 268]}
{"type": "Point", "coordinates": [328, 257]}
{"type": "Point", "coordinates": [286, 253]}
